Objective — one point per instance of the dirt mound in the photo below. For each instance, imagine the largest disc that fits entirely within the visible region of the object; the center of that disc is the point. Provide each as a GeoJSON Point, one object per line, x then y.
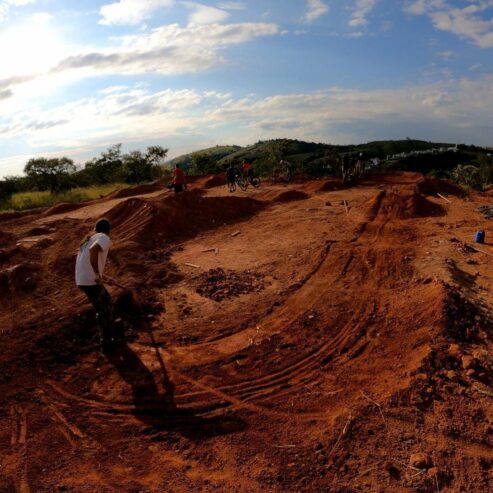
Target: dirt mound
{"type": "Point", "coordinates": [9, 216]}
{"type": "Point", "coordinates": [464, 321]}
{"type": "Point", "coordinates": [19, 278]}
{"type": "Point", "coordinates": [432, 186]}
{"type": "Point", "coordinates": [7, 253]}
{"type": "Point", "coordinates": [134, 191]}
{"type": "Point", "coordinates": [291, 196]}
{"type": "Point", "coordinates": [6, 238]}
{"type": "Point", "coordinates": [150, 222]}
{"type": "Point", "coordinates": [402, 206]}
{"type": "Point", "coordinates": [63, 208]}
{"type": "Point", "coordinates": [218, 284]}
{"type": "Point", "coordinates": [215, 181]}
{"type": "Point", "coordinates": [332, 186]}
{"type": "Point", "coordinates": [40, 231]}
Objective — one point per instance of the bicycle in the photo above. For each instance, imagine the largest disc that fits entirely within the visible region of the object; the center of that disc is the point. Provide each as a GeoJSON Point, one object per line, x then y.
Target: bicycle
{"type": "Point", "coordinates": [253, 181]}
{"type": "Point", "coordinates": [241, 182]}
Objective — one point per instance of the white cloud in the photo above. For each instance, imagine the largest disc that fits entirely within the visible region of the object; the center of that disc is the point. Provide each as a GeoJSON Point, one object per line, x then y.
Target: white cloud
{"type": "Point", "coordinates": [451, 111]}
{"type": "Point", "coordinates": [6, 5]}
{"type": "Point", "coordinates": [168, 50]}
{"type": "Point", "coordinates": [131, 11]}
{"type": "Point", "coordinates": [41, 17]}
{"type": "Point", "coordinates": [446, 55]}
{"type": "Point", "coordinates": [315, 9]}
{"type": "Point", "coordinates": [231, 5]}
{"type": "Point", "coordinates": [361, 11]}
{"type": "Point", "coordinates": [202, 15]}
{"type": "Point", "coordinates": [465, 22]}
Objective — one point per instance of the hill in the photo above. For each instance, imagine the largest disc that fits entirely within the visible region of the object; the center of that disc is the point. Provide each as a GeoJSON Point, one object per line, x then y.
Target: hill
{"type": "Point", "coordinates": [439, 159]}
{"type": "Point", "coordinates": [217, 153]}
{"type": "Point", "coordinates": [297, 150]}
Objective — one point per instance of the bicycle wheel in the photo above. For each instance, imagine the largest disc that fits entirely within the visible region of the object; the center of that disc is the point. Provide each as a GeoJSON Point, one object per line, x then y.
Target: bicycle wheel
{"type": "Point", "coordinates": [242, 183]}
{"type": "Point", "coordinates": [255, 182]}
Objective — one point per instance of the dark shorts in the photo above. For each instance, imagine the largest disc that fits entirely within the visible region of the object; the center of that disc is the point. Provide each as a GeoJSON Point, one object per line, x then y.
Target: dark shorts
{"type": "Point", "coordinates": [178, 188]}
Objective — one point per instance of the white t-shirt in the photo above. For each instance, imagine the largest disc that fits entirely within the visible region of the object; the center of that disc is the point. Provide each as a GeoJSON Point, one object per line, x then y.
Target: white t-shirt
{"type": "Point", "coordinates": [84, 273]}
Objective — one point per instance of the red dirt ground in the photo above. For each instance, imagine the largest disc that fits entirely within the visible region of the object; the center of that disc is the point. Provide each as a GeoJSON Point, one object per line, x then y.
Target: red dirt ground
{"type": "Point", "coordinates": [274, 346]}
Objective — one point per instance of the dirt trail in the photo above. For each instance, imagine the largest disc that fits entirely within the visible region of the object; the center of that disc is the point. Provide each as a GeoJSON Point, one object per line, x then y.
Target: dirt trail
{"type": "Point", "coordinates": [343, 341]}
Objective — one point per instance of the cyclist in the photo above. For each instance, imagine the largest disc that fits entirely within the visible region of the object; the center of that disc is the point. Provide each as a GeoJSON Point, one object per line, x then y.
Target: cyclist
{"type": "Point", "coordinates": [231, 178]}
{"type": "Point", "coordinates": [248, 170]}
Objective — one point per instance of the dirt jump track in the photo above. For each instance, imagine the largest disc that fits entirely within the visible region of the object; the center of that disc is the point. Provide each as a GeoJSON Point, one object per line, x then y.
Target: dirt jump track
{"type": "Point", "coordinates": [306, 338]}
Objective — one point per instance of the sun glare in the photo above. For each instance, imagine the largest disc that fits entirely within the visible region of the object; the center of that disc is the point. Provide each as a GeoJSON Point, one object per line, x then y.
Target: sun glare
{"type": "Point", "coordinates": [31, 47]}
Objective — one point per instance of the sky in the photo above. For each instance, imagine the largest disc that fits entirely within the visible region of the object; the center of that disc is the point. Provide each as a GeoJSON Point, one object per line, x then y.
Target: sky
{"type": "Point", "coordinates": [79, 77]}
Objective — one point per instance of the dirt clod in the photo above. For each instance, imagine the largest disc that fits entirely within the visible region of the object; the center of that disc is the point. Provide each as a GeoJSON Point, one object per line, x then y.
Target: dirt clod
{"type": "Point", "coordinates": [218, 284]}
{"type": "Point", "coordinates": [420, 460]}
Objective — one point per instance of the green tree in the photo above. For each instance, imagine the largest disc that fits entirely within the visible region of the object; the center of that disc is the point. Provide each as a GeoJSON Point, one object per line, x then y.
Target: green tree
{"type": "Point", "coordinates": [276, 151]}
{"type": "Point", "coordinates": [468, 175]}
{"type": "Point", "coordinates": [8, 186]}
{"type": "Point", "coordinates": [50, 174]}
{"type": "Point", "coordinates": [203, 163]}
{"type": "Point", "coordinates": [485, 170]}
{"type": "Point", "coordinates": [107, 168]}
{"type": "Point", "coordinates": [139, 167]}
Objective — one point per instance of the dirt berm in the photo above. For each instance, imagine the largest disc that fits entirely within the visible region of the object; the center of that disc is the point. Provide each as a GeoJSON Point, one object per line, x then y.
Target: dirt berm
{"type": "Point", "coordinates": [177, 216]}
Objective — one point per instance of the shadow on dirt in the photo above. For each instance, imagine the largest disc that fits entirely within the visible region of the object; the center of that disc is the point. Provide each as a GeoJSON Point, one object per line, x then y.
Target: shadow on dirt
{"type": "Point", "coordinates": [159, 410]}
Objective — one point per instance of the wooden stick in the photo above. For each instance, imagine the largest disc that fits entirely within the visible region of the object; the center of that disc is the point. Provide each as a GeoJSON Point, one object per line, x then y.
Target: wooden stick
{"type": "Point", "coordinates": [193, 265]}
{"type": "Point", "coordinates": [235, 234]}
{"type": "Point", "coordinates": [444, 198]}
{"type": "Point", "coordinates": [346, 206]}
{"type": "Point", "coordinates": [210, 250]}
{"type": "Point", "coordinates": [379, 408]}
{"type": "Point", "coordinates": [482, 251]}
{"type": "Point", "coordinates": [344, 431]}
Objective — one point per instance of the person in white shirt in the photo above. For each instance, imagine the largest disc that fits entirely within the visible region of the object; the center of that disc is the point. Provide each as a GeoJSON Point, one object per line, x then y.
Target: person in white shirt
{"type": "Point", "coordinates": [89, 268]}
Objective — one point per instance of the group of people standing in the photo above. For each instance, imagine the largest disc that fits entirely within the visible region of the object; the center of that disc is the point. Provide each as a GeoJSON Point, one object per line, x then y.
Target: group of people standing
{"type": "Point", "coordinates": [232, 173]}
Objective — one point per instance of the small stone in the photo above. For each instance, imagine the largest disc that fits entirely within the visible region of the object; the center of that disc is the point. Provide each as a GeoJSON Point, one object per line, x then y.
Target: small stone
{"type": "Point", "coordinates": [433, 472]}
{"type": "Point", "coordinates": [451, 375]}
{"type": "Point", "coordinates": [420, 460]}
{"type": "Point", "coordinates": [454, 350]}
{"type": "Point", "coordinates": [468, 362]}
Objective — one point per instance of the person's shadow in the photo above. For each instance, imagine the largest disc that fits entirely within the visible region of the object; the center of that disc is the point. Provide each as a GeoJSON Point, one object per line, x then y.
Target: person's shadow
{"type": "Point", "coordinates": [159, 410]}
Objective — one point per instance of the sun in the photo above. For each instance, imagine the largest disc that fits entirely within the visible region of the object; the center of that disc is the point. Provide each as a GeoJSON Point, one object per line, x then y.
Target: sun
{"type": "Point", "coordinates": [30, 47]}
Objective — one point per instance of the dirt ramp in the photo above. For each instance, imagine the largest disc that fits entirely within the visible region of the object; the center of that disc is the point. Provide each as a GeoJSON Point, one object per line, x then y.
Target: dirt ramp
{"type": "Point", "coordinates": [291, 196]}
{"type": "Point", "coordinates": [149, 222]}
{"type": "Point", "coordinates": [215, 181]}
{"type": "Point", "coordinates": [432, 186]}
{"type": "Point", "coordinates": [63, 208]}
{"type": "Point", "coordinates": [332, 186]}
{"type": "Point", "coordinates": [134, 191]}
{"type": "Point", "coordinates": [6, 238]}
{"type": "Point", "coordinates": [392, 205]}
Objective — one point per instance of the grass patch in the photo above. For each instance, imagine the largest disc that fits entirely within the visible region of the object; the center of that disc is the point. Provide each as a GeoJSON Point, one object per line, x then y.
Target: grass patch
{"type": "Point", "coordinates": [33, 200]}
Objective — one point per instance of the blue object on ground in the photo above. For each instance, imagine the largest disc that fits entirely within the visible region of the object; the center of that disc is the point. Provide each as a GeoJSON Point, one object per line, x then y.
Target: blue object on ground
{"type": "Point", "coordinates": [479, 237]}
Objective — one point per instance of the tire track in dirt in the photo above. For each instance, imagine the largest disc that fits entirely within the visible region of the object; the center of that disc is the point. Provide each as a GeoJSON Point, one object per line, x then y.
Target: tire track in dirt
{"type": "Point", "coordinates": [378, 260]}
{"type": "Point", "coordinates": [304, 369]}
{"type": "Point", "coordinates": [18, 444]}
{"type": "Point", "coordinates": [348, 340]}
